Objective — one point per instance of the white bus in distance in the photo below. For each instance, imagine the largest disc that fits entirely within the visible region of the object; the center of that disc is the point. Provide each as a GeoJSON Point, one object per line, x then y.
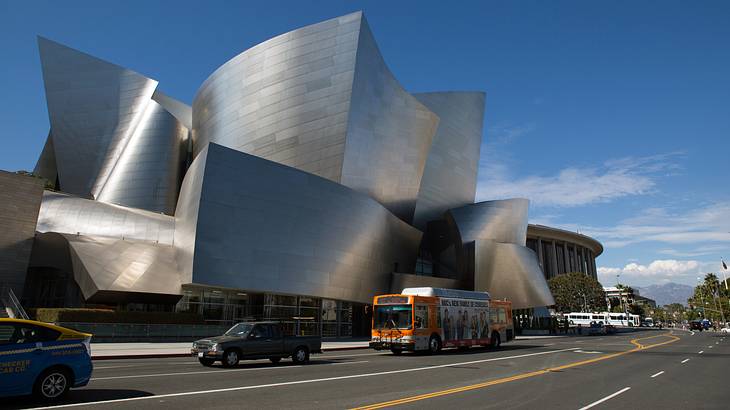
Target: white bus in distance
{"type": "Point", "coordinates": [602, 318]}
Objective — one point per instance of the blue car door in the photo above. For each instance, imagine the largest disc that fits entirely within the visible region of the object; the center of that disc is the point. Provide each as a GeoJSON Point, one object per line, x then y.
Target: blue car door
{"type": "Point", "coordinates": [20, 359]}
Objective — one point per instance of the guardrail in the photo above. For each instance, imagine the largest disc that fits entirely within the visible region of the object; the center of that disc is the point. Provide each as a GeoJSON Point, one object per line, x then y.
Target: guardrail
{"type": "Point", "coordinates": [11, 303]}
{"type": "Point", "coordinates": [139, 332]}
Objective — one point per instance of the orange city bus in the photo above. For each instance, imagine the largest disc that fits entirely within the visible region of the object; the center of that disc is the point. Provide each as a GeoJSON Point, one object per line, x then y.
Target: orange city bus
{"type": "Point", "coordinates": [428, 319]}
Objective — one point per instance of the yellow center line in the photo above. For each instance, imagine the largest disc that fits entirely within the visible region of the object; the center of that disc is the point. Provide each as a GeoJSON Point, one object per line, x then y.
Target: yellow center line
{"type": "Point", "coordinates": [521, 376]}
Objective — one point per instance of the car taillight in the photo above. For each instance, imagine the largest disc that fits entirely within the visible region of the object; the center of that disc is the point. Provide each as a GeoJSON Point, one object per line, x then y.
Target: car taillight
{"type": "Point", "coordinates": [87, 345]}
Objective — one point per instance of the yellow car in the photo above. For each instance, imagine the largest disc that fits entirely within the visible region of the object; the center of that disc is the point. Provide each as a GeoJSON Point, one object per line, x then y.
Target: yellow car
{"type": "Point", "coordinates": [42, 359]}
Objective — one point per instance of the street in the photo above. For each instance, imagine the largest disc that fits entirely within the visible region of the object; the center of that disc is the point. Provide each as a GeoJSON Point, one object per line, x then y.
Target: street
{"type": "Point", "coordinates": [645, 369]}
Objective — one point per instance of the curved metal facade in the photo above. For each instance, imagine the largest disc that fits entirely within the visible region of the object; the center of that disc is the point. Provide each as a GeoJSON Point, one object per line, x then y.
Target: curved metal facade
{"type": "Point", "coordinates": [510, 271]}
{"type": "Point", "coordinates": [389, 134]}
{"type": "Point", "coordinates": [450, 176]}
{"type": "Point", "coordinates": [148, 172]}
{"type": "Point", "coordinates": [289, 231]}
{"type": "Point", "coordinates": [501, 221]}
{"type": "Point", "coordinates": [111, 141]}
{"type": "Point", "coordinates": [312, 169]}
{"type": "Point", "coordinates": [68, 214]}
{"type": "Point", "coordinates": [490, 242]}
{"type": "Point", "coordinates": [322, 100]}
{"type": "Point", "coordinates": [286, 99]}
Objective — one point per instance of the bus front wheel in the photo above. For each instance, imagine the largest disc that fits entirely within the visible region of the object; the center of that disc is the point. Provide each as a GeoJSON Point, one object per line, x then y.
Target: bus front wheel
{"type": "Point", "coordinates": [434, 344]}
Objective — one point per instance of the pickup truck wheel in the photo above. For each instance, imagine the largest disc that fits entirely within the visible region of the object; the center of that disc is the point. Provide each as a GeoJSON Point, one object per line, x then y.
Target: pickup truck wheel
{"type": "Point", "coordinates": [52, 384]}
{"type": "Point", "coordinates": [300, 355]}
{"type": "Point", "coordinates": [230, 358]}
{"type": "Point", "coordinates": [206, 362]}
{"type": "Point", "coordinates": [275, 360]}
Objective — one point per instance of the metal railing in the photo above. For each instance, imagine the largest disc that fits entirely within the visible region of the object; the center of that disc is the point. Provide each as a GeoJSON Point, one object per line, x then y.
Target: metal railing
{"type": "Point", "coordinates": [11, 304]}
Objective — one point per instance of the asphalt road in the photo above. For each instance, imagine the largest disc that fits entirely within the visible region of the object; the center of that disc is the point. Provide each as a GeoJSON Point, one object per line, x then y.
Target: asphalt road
{"type": "Point", "coordinates": [641, 370]}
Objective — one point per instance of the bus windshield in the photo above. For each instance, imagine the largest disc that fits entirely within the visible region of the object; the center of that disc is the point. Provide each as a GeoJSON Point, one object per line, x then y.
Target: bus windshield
{"type": "Point", "coordinates": [393, 316]}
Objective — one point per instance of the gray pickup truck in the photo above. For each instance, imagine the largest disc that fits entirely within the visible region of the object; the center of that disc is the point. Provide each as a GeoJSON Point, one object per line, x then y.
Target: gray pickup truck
{"type": "Point", "coordinates": [255, 340]}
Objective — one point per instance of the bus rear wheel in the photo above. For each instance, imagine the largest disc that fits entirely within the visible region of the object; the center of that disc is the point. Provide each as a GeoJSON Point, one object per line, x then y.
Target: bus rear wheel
{"type": "Point", "coordinates": [496, 340]}
{"type": "Point", "coordinates": [434, 344]}
{"type": "Point", "coordinates": [396, 352]}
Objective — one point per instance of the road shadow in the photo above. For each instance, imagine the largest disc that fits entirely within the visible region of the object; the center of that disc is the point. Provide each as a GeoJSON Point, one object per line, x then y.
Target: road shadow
{"type": "Point", "coordinates": [74, 396]}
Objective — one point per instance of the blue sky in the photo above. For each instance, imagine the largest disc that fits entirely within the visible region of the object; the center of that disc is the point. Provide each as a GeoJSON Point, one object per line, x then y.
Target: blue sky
{"type": "Point", "coordinates": [612, 117]}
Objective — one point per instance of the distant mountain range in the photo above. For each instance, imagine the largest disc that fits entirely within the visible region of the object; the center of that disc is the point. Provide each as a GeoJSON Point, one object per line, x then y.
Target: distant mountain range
{"type": "Point", "coordinates": [667, 293]}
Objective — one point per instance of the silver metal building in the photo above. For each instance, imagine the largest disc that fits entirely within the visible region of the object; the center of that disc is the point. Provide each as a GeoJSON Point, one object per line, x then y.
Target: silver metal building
{"type": "Point", "coordinates": [303, 180]}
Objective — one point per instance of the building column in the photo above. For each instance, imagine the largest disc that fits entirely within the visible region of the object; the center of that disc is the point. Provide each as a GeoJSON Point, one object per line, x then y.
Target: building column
{"type": "Point", "coordinates": [554, 259]}
{"type": "Point", "coordinates": [566, 258]}
{"type": "Point", "coordinates": [583, 264]}
{"type": "Point", "coordinates": [595, 271]}
{"type": "Point", "coordinates": [540, 256]}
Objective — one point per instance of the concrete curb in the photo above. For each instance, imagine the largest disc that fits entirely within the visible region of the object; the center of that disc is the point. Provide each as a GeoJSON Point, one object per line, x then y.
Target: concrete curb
{"type": "Point", "coordinates": [168, 355]}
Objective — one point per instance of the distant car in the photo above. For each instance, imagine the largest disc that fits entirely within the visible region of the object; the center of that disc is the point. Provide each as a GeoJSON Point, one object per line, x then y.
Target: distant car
{"type": "Point", "coordinates": [42, 359]}
{"type": "Point", "coordinates": [255, 340]}
{"type": "Point", "coordinates": [696, 325]}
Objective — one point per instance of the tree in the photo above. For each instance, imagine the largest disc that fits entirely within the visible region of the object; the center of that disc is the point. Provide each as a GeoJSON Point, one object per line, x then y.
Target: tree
{"type": "Point", "coordinates": [577, 292]}
{"type": "Point", "coordinates": [635, 309]}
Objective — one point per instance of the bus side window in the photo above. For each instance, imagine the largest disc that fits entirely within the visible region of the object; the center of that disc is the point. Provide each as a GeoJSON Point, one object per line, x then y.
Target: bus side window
{"type": "Point", "coordinates": [421, 317]}
{"type": "Point", "coordinates": [493, 315]}
{"type": "Point", "coordinates": [502, 316]}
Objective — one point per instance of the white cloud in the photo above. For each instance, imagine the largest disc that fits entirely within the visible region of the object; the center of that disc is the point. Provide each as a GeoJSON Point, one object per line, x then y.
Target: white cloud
{"type": "Point", "coordinates": [658, 271]}
{"type": "Point", "coordinates": [701, 226]}
{"type": "Point", "coordinates": [576, 186]}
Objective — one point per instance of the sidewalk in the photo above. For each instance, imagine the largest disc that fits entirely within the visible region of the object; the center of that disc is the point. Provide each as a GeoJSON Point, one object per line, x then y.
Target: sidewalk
{"type": "Point", "coordinates": [106, 351]}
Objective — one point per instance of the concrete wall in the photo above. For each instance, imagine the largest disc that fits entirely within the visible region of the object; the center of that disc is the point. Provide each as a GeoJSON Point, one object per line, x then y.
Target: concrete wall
{"type": "Point", "coordinates": [20, 200]}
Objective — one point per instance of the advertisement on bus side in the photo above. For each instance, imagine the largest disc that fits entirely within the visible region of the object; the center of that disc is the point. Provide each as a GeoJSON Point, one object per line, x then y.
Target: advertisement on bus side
{"type": "Point", "coordinates": [464, 321]}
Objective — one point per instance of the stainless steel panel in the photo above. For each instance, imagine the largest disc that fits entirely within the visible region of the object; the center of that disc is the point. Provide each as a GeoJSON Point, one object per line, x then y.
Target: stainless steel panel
{"type": "Point", "coordinates": [292, 99]}
{"type": "Point", "coordinates": [501, 221]}
{"type": "Point", "coordinates": [46, 165]}
{"type": "Point", "coordinates": [112, 142]}
{"type": "Point", "coordinates": [263, 226]}
{"type": "Point", "coordinates": [510, 271]}
{"type": "Point", "coordinates": [64, 213]}
{"type": "Point", "coordinates": [112, 264]}
{"type": "Point", "coordinates": [148, 172]}
{"type": "Point", "coordinates": [285, 99]}
{"type": "Point", "coordinates": [181, 111]}
{"type": "Point", "coordinates": [490, 238]}
{"type": "Point", "coordinates": [93, 108]}
{"type": "Point", "coordinates": [450, 177]}
{"type": "Point", "coordinates": [389, 134]}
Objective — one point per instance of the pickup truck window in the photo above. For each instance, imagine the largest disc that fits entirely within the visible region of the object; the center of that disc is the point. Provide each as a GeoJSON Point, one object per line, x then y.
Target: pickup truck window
{"type": "Point", "coordinates": [261, 332]}
{"type": "Point", "coordinates": [241, 329]}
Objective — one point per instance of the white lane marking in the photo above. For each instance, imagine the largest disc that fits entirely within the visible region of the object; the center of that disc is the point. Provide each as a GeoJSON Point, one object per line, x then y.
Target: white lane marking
{"type": "Point", "coordinates": [549, 344]}
{"type": "Point", "coordinates": [359, 361]}
{"type": "Point", "coordinates": [710, 347]}
{"type": "Point", "coordinates": [655, 375]}
{"type": "Point", "coordinates": [308, 381]}
{"type": "Point", "coordinates": [115, 367]}
{"type": "Point", "coordinates": [685, 360]}
{"type": "Point", "coordinates": [586, 351]}
{"type": "Point", "coordinates": [701, 351]}
{"type": "Point", "coordinates": [134, 376]}
{"type": "Point", "coordinates": [609, 397]}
